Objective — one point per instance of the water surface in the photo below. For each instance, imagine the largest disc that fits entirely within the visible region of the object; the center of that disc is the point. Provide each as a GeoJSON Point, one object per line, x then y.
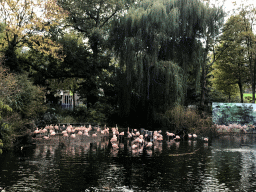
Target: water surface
{"type": "Point", "coordinates": [224, 164]}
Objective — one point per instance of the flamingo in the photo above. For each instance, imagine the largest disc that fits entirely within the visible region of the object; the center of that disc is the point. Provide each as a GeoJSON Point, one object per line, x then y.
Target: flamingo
{"type": "Point", "coordinates": [129, 135]}
{"type": "Point", "coordinates": [160, 138]}
{"type": "Point", "coordinates": [80, 133]}
{"type": "Point", "coordinates": [45, 137]}
{"type": "Point", "coordinates": [73, 135]}
{"type": "Point", "coordinates": [36, 131]}
{"type": "Point", "coordinates": [141, 141]}
{"type": "Point", "coordinates": [113, 139]}
{"type": "Point", "coordinates": [115, 146]}
{"type": "Point", "coordinates": [56, 127]}
{"type": "Point", "coordinates": [194, 136]}
{"type": "Point", "coordinates": [206, 139]}
{"type": "Point", "coordinates": [134, 146]}
{"type": "Point", "coordinates": [149, 145]}
{"type": "Point", "coordinates": [44, 131]}
{"type": "Point", "coordinates": [53, 133]}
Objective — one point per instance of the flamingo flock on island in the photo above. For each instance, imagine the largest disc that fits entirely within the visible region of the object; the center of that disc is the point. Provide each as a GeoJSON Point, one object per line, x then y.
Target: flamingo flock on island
{"type": "Point", "coordinates": [137, 141]}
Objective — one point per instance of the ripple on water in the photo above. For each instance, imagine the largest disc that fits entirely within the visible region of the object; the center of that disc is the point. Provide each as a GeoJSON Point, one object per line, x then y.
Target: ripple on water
{"type": "Point", "coordinates": [172, 166]}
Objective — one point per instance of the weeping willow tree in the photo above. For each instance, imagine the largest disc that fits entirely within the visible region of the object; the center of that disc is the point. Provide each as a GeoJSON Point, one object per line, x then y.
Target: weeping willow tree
{"type": "Point", "coordinates": [160, 49]}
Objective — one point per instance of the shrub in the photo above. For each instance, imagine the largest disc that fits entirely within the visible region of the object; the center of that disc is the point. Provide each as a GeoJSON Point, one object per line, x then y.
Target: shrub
{"type": "Point", "coordinates": [5, 129]}
{"type": "Point", "coordinates": [20, 103]}
{"type": "Point", "coordinates": [190, 119]}
{"type": "Point", "coordinates": [28, 102]}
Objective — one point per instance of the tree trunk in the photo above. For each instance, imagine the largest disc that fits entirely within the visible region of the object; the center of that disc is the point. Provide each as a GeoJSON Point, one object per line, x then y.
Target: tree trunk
{"type": "Point", "coordinates": [74, 104]}
{"type": "Point", "coordinates": [241, 91]}
{"type": "Point", "coordinates": [253, 82]}
{"type": "Point", "coordinates": [203, 83]}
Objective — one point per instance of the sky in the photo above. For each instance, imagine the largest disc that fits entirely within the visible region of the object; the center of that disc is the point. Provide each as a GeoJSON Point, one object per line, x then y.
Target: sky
{"type": "Point", "coordinates": [229, 5]}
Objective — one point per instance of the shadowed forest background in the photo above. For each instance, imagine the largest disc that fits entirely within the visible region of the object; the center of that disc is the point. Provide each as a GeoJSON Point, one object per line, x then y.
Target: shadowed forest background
{"type": "Point", "coordinates": [133, 63]}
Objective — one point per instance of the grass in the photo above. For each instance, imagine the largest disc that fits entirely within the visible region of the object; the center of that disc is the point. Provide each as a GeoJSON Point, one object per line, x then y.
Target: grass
{"type": "Point", "coordinates": [248, 95]}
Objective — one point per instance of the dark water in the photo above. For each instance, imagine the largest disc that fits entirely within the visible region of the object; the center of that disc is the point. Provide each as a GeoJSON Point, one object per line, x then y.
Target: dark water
{"type": "Point", "coordinates": [224, 164]}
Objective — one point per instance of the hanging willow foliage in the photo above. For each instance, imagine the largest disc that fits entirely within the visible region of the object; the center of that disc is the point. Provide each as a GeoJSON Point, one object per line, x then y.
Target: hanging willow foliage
{"type": "Point", "coordinates": [159, 50]}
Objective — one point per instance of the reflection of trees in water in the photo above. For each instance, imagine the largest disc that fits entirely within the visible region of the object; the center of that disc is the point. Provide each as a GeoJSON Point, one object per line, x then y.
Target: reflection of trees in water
{"type": "Point", "coordinates": [233, 162]}
{"type": "Point", "coordinates": [228, 169]}
{"type": "Point", "coordinates": [95, 165]}
{"type": "Point", "coordinates": [248, 171]}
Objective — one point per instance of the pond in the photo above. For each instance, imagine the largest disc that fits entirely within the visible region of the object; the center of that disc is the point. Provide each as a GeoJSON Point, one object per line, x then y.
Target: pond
{"type": "Point", "coordinates": [226, 163]}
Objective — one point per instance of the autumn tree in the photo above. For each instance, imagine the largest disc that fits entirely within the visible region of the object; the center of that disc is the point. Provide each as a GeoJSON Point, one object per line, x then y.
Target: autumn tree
{"type": "Point", "coordinates": [27, 23]}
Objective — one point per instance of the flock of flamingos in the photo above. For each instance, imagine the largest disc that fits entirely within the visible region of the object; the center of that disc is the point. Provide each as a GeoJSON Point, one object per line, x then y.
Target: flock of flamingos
{"type": "Point", "coordinates": [138, 140]}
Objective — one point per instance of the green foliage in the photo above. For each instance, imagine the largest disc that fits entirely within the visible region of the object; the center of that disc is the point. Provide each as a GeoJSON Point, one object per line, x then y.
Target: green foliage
{"type": "Point", "coordinates": [7, 89]}
{"type": "Point", "coordinates": [21, 102]}
{"type": "Point", "coordinates": [5, 128]}
{"type": "Point", "coordinates": [6, 136]}
{"type": "Point", "coordinates": [96, 114]}
{"type": "Point", "coordinates": [28, 102]}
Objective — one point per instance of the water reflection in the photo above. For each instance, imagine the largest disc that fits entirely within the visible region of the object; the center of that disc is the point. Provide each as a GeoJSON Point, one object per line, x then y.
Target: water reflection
{"type": "Point", "coordinates": [233, 163]}
{"type": "Point", "coordinates": [225, 164]}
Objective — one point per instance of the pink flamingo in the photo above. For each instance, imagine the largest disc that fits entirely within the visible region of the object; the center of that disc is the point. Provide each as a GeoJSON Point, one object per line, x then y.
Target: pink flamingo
{"type": "Point", "coordinates": [115, 146]}
{"type": "Point", "coordinates": [53, 133]}
{"type": "Point", "coordinates": [45, 137]}
{"type": "Point", "coordinates": [134, 146]}
{"type": "Point", "coordinates": [113, 139]}
{"type": "Point", "coordinates": [149, 145]}
{"type": "Point", "coordinates": [80, 133]}
{"type": "Point", "coordinates": [36, 131]}
{"type": "Point", "coordinates": [86, 133]}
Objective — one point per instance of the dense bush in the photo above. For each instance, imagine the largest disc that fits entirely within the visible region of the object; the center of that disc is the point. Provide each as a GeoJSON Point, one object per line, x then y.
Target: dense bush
{"type": "Point", "coordinates": [190, 119]}
{"type": "Point", "coordinates": [5, 129]}
{"type": "Point", "coordinates": [21, 103]}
